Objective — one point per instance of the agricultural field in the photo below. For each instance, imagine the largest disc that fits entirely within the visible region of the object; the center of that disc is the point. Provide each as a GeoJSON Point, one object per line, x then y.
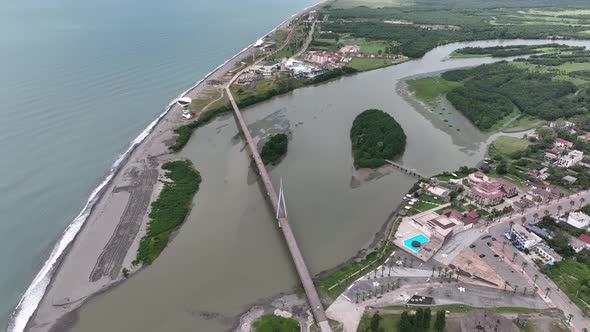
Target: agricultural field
{"type": "Point", "coordinates": [508, 146]}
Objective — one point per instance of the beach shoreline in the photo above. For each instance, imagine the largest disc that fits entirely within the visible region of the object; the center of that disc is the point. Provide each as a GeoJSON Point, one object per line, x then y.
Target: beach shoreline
{"type": "Point", "coordinates": [89, 258]}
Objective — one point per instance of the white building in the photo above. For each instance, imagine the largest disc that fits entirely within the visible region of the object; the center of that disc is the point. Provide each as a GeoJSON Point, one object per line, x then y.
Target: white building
{"type": "Point", "coordinates": [569, 160]}
{"type": "Point", "coordinates": [578, 220]}
{"type": "Point", "coordinates": [547, 254]}
{"type": "Point", "coordinates": [523, 237]}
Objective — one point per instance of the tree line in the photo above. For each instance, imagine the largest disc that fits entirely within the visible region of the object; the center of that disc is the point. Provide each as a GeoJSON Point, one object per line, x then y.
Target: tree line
{"type": "Point", "coordinates": [274, 149]}
{"type": "Point", "coordinates": [507, 51]}
{"type": "Point", "coordinates": [491, 92]}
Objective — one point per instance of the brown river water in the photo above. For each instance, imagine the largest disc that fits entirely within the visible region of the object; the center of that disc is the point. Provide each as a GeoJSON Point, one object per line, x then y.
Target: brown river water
{"type": "Point", "coordinates": [229, 254]}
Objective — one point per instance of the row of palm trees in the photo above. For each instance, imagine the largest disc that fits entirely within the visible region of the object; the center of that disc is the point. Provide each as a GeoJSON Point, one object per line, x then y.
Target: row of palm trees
{"type": "Point", "coordinates": [380, 290]}
{"type": "Point", "coordinates": [546, 212]}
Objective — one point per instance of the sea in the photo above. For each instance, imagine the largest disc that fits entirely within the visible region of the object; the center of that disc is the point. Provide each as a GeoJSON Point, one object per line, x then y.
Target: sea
{"type": "Point", "coordinates": [80, 81]}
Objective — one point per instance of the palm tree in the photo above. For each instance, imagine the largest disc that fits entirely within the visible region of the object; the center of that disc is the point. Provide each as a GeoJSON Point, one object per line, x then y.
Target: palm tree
{"type": "Point", "coordinates": [405, 259]}
{"type": "Point", "coordinates": [515, 288]}
{"type": "Point", "coordinates": [569, 318]}
{"type": "Point", "coordinates": [398, 280]}
{"type": "Point", "coordinates": [411, 262]}
{"type": "Point", "coordinates": [357, 297]}
{"type": "Point", "coordinates": [523, 219]}
{"type": "Point", "coordinates": [546, 213]}
{"type": "Point", "coordinates": [524, 265]}
{"type": "Point", "coordinates": [503, 244]}
{"type": "Point", "coordinates": [524, 291]}
{"type": "Point", "coordinates": [535, 278]}
{"type": "Point", "coordinates": [582, 201]}
{"type": "Point", "coordinates": [511, 224]}
{"type": "Point", "coordinates": [433, 269]}
{"type": "Point", "coordinates": [572, 203]}
{"type": "Point", "coordinates": [506, 284]}
{"type": "Point", "coordinates": [513, 257]}
{"type": "Point", "coordinates": [439, 270]}
{"type": "Point", "coordinates": [559, 208]}
{"type": "Point", "coordinates": [535, 216]}
{"type": "Point", "coordinates": [547, 290]}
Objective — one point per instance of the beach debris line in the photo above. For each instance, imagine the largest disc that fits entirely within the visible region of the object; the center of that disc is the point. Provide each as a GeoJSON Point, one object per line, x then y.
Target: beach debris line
{"type": "Point", "coordinates": [169, 210]}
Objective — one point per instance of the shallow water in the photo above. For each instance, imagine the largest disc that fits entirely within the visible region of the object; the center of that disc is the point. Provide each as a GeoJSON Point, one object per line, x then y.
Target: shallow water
{"type": "Point", "coordinates": [229, 253]}
{"type": "Point", "coordinates": [79, 81]}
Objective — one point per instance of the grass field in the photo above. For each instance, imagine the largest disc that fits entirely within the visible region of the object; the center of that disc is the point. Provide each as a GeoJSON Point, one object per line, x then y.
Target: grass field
{"type": "Point", "coordinates": [364, 64]}
{"type": "Point", "coordinates": [506, 145]}
{"type": "Point", "coordinates": [429, 89]}
{"type": "Point", "coordinates": [504, 120]}
{"type": "Point", "coordinates": [569, 275]}
{"type": "Point", "coordinates": [525, 123]}
{"type": "Point", "coordinates": [272, 323]}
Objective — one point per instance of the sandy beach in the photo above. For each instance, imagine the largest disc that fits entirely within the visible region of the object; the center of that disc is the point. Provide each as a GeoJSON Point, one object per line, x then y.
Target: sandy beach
{"type": "Point", "coordinates": [109, 238]}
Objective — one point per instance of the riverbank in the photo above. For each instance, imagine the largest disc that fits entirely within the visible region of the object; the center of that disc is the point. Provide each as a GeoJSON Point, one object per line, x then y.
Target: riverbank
{"type": "Point", "coordinates": [104, 238]}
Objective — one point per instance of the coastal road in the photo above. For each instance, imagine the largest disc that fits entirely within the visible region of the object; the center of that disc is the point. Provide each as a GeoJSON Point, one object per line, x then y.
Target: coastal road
{"type": "Point", "coordinates": [556, 297]}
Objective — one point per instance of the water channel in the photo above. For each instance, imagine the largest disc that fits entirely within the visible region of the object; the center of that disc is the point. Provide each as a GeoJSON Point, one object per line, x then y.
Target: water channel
{"type": "Point", "coordinates": [229, 254]}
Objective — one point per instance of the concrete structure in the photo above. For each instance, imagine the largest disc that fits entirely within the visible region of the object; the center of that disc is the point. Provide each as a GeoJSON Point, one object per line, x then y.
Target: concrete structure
{"type": "Point", "coordinates": [185, 103]}
{"type": "Point", "coordinates": [570, 179]}
{"type": "Point", "coordinates": [585, 137]}
{"type": "Point", "coordinates": [308, 286]}
{"type": "Point", "coordinates": [438, 191]}
{"type": "Point", "coordinates": [578, 220]}
{"type": "Point", "coordinates": [586, 239]}
{"type": "Point", "coordinates": [547, 254]}
{"type": "Point", "coordinates": [576, 244]}
{"type": "Point", "coordinates": [551, 154]}
{"type": "Point", "coordinates": [569, 160]}
{"type": "Point", "coordinates": [523, 238]}
{"type": "Point", "coordinates": [489, 191]}
{"type": "Point", "coordinates": [562, 144]}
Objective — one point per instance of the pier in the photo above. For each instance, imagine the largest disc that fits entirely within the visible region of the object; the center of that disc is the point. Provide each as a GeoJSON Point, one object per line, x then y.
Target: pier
{"type": "Point", "coordinates": [304, 276]}
{"type": "Point", "coordinates": [410, 172]}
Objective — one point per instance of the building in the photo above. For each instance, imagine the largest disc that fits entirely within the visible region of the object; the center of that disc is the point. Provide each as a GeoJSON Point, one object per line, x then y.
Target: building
{"type": "Point", "coordinates": [569, 179]}
{"type": "Point", "coordinates": [551, 154]}
{"type": "Point", "coordinates": [323, 57]}
{"type": "Point", "coordinates": [585, 137]}
{"type": "Point", "coordinates": [542, 232]}
{"type": "Point", "coordinates": [547, 254]}
{"type": "Point", "coordinates": [560, 143]}
{"type": "Point", "coordinates": [438, 191]}
{"type": "Point", "coordinates": [585, 239]}
{"type": "Point", "coordinates": [569, 160]}
{"type": "Point", "coordinates": [578, 220]}
{"type": "Point", "coordinates": [489, 191]}
{"type": "Point", "coordinates": [577, 244]}
{"type": "Point", "coordinates": [523, 238]}
{"type": "Point", "coordinates": [468, 219]}
{"type": "Point", "coordinates": [539, 174]}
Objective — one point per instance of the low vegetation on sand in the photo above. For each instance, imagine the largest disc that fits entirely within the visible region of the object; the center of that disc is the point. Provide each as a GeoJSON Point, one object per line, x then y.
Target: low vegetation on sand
{"type": "Point", "coordinates": [274, 149]}
{"type": "Point", "coordinates": [169, 210]}
{"type": "Point", "coordinates": [376, 136]}
{"type": "Point", "coordinates": [272, 323]}
{"type": "Point", "coordinates": [508, 51]}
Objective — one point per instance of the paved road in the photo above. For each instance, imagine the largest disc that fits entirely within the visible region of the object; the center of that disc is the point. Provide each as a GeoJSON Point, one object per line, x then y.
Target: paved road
{"type": "Point", "coordinates": [556, 297]}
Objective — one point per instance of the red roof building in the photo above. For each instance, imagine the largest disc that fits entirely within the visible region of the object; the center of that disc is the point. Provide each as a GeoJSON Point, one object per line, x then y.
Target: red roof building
{"type": "Point", "coordinates": [585, 137]}
{"type": "Point", "coordinates": [584, 238]}
{"type": "Point", "coordinates": [561, 143]}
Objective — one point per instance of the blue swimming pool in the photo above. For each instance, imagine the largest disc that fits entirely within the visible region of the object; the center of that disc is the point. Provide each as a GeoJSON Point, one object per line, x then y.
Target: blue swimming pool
{"type": "Point", "coordinates": [420, 238]}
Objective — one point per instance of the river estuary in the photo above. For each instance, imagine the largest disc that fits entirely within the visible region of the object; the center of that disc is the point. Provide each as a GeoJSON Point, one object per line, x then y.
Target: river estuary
{"type": "Point", "coordinates": [229, 254]}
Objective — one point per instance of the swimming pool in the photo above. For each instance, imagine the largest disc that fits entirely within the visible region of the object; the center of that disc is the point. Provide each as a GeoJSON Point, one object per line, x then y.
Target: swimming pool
{"type": "Point", "coordinates": [420, 238]}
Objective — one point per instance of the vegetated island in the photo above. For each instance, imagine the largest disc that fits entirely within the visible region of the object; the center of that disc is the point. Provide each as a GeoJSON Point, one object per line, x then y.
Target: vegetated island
{"type": "Point", "coordinates": [274, 149]}
{"type": "Point", "coordinates": [169, 210]}
{"type": "Point", "coordinates": [508, 51]}
{"type": "Point", "coordinates": [376, 136]}
{"type": "Point", "coordinates": [541, 88]}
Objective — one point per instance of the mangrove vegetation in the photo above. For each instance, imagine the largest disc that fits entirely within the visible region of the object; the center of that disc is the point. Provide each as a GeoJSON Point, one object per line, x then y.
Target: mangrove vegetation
{"type": "Point", "coordinates": [376, 136]}
{"type": "Point", "coordinates": [274, 149]}
{"type": "Point", "coordinates": [169, 210]}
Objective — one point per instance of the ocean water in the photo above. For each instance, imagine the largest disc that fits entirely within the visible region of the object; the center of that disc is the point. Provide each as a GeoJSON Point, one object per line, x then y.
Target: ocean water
{"type": "Point", "coordinates": [79, 80]}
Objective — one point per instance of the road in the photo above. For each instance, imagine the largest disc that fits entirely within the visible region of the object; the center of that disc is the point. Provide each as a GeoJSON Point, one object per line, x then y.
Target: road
{"type": "Point", "coordinates": [556, 297]}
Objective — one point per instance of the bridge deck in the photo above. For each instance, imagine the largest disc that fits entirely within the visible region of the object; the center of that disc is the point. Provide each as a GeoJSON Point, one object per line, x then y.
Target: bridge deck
{"type": "Point", "coordinates": [300, 266]}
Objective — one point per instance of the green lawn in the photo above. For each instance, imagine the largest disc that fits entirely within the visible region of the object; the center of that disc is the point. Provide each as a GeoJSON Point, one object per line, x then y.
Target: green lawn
{"type": "Point", "coordinates": [504, 120]}
{"type": "Point", "coordinates": [272, 323]}
{"type": "Point", "coordinates": [364, 64]}
{"type": "Point", "coordinates": [429, 89]}
{"type": "Point", "coordinates": [569, 275]}
{"type": "Point", "coordinates": [525, 123]}
{"type": "Point", "coordinates": [508, 146]}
